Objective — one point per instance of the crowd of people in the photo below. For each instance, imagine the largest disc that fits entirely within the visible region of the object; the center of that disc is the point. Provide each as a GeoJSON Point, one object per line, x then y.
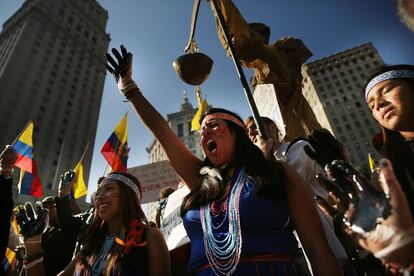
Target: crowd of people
{"type": "Point", "coordinates": [288, 205]}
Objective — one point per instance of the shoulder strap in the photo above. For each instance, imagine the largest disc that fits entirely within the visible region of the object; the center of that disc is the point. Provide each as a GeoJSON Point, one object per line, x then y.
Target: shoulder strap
{"type": "Point", "coordinates": [293, 142]}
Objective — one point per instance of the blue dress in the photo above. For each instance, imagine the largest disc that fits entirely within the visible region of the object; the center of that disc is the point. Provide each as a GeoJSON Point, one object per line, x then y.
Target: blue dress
{"type": "Point", "coordinates": [268, 242]}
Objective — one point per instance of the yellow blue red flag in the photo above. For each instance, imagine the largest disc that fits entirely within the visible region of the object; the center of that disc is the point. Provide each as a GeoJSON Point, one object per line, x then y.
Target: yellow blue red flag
{"type": "Point", "coordinates": [9, 261]}
{"type": "Point", "coordinates": [29, 183]}
{"type": "Point", "coordinates": [114, 149]}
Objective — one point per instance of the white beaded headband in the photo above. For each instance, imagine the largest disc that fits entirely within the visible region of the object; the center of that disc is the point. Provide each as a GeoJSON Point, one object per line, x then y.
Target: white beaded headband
{"type": "Point", "coordinates": [225, 116]}
{"type": "Point", "coordinates": [393, 74]}
{"type": "Point", "coordinates": [125, 180]}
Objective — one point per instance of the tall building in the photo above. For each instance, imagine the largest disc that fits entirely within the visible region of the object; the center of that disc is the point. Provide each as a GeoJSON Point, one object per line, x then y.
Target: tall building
{"type": "Point", "coordinates": [180, 123]}
{"type": "Point", "coordinates": [52, 71]}
{"type": "Point", "coordinates": [333, 86]}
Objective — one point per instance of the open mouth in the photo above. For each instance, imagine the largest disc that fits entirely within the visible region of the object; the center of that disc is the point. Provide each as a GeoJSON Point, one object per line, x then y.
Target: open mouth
{"type": "Point", "coordinates": [211, 145]}
{"type": "Point", "coordinates": [103, 205]}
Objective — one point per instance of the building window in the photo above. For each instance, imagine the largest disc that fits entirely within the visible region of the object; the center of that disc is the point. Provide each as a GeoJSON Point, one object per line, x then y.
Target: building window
{"type": "Point", "coordinates": [180, 130]}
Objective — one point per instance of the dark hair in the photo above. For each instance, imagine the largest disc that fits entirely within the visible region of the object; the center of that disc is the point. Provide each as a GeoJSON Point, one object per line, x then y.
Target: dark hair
{"type": "Point", "coordinates": [266, 121]}
{"type": "Point", "coordinates": [95, 235]}
{"type": "Point", "coordinates": [402, 158]}
{"type": "Point", "coordinates": [269, 175]}
{"type": "Point", "coordinates": [165, 192]}
{"type": "Point", "coordinates": [395, 148]}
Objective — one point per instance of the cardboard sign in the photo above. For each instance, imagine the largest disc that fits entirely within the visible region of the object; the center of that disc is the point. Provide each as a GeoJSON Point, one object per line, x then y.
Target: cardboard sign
{"type": "Point", "coordinates": [172, 226]}
{"type": "Point", "coordinates": [265, 97]}
{"type": "Point", "coordinates": [154, 177]}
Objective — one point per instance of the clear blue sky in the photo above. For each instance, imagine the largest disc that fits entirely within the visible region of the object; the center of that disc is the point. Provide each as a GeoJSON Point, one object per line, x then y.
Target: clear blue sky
{"type": "Point", "coordinates": [156, 31]}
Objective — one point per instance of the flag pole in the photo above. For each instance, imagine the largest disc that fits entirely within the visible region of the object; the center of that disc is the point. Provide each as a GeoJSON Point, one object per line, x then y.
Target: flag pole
{"type": "Point", "coordinates": [84, 152]}
{"type": "Point", "coordinates": [246, 88]}
{"type": "Point", "coordinates": [106, 168]}
{"type": "Point", "coordinates": [55, 179]}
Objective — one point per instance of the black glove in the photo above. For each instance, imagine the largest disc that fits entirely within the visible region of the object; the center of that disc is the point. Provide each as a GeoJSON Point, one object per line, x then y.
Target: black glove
{"type": "Point", "coordinates": [66, 178]}
{"type": "Point", "coordinates": [325, 147]}
{"type": "Point", "coordinates": [123, 66]}
{"type": "Point", "coordinates": [65, 186]}
{"type": "Point", "coordinates": [359, 204]}
{"type": "Point", "coordinates": [32, 221]}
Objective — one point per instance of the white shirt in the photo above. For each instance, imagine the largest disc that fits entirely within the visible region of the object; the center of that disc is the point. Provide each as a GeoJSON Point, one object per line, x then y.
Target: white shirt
{"type": "Point", "coordinates": [308, 169]}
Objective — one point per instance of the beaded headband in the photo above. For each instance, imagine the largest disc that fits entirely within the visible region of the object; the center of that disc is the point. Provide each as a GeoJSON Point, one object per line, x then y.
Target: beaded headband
{"type": "Point", "coordinates": [393, 74]}
{"type": "Point", "coordinates": [225, 116]}
{"type": "Point", "coordinates": [125, 180]}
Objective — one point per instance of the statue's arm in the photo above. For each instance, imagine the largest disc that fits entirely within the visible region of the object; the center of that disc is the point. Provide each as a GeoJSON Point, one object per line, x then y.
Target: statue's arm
{"type": "Point", "coordinates": [250, 47]}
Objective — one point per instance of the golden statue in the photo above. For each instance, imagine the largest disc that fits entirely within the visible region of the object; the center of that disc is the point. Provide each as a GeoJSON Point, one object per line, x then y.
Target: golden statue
{"type": "Point", "coordinates": [278, 64]}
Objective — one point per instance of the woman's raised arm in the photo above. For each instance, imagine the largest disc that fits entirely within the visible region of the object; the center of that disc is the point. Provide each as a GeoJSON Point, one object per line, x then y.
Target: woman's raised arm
{"type": "Point", "coordinates": [184, 162]}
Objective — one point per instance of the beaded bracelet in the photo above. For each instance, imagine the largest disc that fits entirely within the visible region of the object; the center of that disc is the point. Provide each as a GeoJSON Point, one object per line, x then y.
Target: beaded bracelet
{"type": "Point", "coordinates": [133, 92]}
{"type": "Point", "coordinates": [130, 90]}
{"type": "Point", "coordinates": [129, 86]}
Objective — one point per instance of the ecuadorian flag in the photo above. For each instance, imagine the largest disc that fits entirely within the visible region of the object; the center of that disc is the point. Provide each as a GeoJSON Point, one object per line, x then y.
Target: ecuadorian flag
{"type": "Point", "coordinates": [9, 261]}
{"type": "Point", "coordinates": [29, 183]}
{"type": "Point", "coordinates": [115, 148]}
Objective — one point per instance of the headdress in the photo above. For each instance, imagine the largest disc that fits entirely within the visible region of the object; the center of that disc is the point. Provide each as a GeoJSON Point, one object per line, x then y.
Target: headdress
{"type": "Point", "coordinates": [225, 116]}
{"type": "Point", "coordinates": [393, 74]}
{"type": "Point", "coordinates": [125, 180]}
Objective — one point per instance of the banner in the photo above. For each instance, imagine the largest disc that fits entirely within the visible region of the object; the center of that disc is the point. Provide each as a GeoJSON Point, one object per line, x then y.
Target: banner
{"type": "Point", "coordinates": [265, 97]}
{"type": "Point", "coordinates": [154, 177]}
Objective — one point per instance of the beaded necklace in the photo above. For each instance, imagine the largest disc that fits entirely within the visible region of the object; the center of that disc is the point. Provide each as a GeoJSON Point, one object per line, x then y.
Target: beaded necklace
{"type": "Point", "coordinates": [220, 222]}
{"type": "Point", "coordinates": [100, 261]}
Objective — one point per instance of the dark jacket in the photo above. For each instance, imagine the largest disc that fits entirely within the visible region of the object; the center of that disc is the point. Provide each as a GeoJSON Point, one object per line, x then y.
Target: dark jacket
{"type": "Point", "coordinates": [58, 243]}
{"type": "Point", "coordinates": [6, 208]}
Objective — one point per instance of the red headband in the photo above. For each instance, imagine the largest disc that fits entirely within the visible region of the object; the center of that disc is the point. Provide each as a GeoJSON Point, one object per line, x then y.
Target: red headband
{"type": "Point", "coordinates": [225, 116]}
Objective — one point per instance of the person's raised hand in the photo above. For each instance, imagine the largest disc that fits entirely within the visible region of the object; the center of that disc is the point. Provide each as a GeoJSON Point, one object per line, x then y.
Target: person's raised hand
{"type": "Point", "coordinates": [324, 147]}
{"type": "Point", "coordinates": [67, 180]}
{"type": "Point", "coordinates": [390, 240]}
{"type": "Point", "coordinates": [32, 221]}
{"type": "Point", "coordinates": [360, 204]}
{"type": "Point", "coordinates": [120, 67]}
{"type": "Point", "coordinates": [8, 158]}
